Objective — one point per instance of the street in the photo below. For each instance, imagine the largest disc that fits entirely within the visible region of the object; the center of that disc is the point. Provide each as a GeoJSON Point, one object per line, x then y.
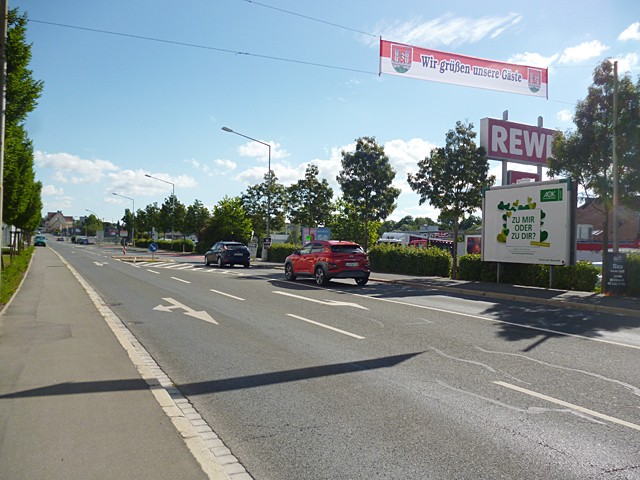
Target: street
{"type": "Point", "coordinates": [382, 381]}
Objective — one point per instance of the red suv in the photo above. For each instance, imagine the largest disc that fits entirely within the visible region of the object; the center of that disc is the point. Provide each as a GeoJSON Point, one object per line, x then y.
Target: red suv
{"type": "Point", "coordinates": [328, 259]}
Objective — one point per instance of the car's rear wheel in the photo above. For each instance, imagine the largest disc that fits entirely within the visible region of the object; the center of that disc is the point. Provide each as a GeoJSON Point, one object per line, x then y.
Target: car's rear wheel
{"type": "Point", "coordinates": [220, 262]}
{"type": "Point", "coordinates": [362, 280]}
{"type": "Point", "coordinates": [321, 277]}
{"type": "Point", "coordinates": [288, 272]}
{"type": "Point", "coordinates": [246, 265]}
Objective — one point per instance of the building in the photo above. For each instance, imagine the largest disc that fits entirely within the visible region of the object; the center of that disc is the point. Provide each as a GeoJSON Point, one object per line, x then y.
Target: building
{"type": "Point", "coordinates": [57, 222]}
{"type": "Point", "coordinates": [589, 219]}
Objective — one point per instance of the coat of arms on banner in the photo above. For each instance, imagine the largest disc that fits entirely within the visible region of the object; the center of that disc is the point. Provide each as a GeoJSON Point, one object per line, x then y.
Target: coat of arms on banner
{"type": "Point", "coordinates": [535, 79]}
{"type": "Point", "coordinates": [401, 57]}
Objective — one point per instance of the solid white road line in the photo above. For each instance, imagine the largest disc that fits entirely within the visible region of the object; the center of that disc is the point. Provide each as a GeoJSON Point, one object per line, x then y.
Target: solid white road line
{"type": "Point", "coordinates": [153, 271]}
{"type": "Point", "coordinates": [180, 280]}
{"type": "Point", "coordinates": [326, 326]}
{"type": "Point", "coordinates": [227, 295]}
{"type": "Point", "coordinates": [569, 405]}
{"type": "Point", "coordinates": [494, 320]}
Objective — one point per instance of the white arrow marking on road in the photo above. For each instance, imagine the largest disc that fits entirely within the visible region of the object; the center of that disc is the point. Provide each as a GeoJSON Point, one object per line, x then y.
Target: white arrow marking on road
{"type": "Point", "coordinates": [331, 303]}
{"type": "Point", "coordinates": [100, 264]}
{"type": "Point", "coordinates": [202, 315]}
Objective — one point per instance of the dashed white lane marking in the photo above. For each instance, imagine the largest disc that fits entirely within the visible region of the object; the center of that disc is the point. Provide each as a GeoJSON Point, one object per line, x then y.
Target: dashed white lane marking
{"type": "Point", "coordinates": [578, 408]}
{"type": "Point", "coordinates": [153, 271]}
{"type": "Point", "coordinates": [326, 326]}
{"type": "Point", "coordinates": [227, 295]}
{"type": "Point", "coordinates": [180, 280]}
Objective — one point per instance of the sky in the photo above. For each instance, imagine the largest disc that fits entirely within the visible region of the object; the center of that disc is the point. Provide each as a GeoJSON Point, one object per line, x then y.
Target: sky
{"type": "Point", "coordinates": [145, 87]}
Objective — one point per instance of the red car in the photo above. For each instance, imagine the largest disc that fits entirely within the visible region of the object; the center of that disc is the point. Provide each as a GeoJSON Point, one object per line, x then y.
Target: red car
{"type": "Point", "coordinates": [328, 259]}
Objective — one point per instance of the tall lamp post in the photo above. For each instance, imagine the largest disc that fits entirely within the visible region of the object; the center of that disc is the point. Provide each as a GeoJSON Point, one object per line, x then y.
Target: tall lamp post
{"type": "Point", "coordinates": [133, 213]}
{"type": "Point", "coordinates": [227, 129]}
{"type": "Point", "coordinates": [173, 199]}
{"type": "Point", "coordinates": [91, 211]}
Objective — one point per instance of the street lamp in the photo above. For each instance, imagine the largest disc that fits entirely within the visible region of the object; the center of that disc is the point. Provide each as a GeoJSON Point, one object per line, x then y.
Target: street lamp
{"type": "Point", "coordinates": [86, 232]}
{"type": "Point", "coordinates": [173, 199]}
{"type": "Point", "coordinates": [227, 129]}
{"type": "Point", "coordinates": [133, 228]}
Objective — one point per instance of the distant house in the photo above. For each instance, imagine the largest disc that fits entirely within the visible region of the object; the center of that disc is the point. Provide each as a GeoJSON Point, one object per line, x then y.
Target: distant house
{"type": "Point", "coordinates": [589, 219]}
{"type": "Point", "coordinates": [57, 222]}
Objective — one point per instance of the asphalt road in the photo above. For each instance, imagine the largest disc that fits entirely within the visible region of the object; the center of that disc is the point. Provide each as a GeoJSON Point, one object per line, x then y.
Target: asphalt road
{"type": "Point", "coordinates": [383, 381]}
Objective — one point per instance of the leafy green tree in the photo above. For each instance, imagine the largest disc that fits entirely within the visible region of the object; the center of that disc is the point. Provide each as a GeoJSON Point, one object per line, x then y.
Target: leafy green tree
{"type": "Point", "coordinates": [345, 224]}
{"type": "Point", "coordinates": [128, 223]}
{"type": "Point", "coordinates": [228, 222]}
{"type": "Point", "coordinates": [255, 201]}
{"type": "Point", "coordinates": [310, 199]}
{"type": "Point", "coordinates": [585, 154]}
{"type": "Point", "coordinates": [366, 182]}
{"type": "Point", "coordinates": [452, 178]}
{"type": "Point", "coordinates": [148, 219]}
{"type": "Point", "coordinates": [22, 203]}
{"type": "Point", "coordinates": [172, 215]}
{"type": "Point", "coordinates": [196, 218]}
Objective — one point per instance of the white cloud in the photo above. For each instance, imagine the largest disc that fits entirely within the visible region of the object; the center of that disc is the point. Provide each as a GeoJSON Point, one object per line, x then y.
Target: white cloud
{"type": "Point", "coordinates": [204, 168]}
{"type": "Point", "coordinates": [632, 32]}
{"type": "Point", "coordinates": [134, 183]}
{"type": "Point", "coordinates": [564, 115]}
{"type": "Point", "coordinates": [261, 152]}
{"type": "Point", "coordinates": [52, 190]}
{"type": "Point", "coordinates": [533, 59]}
{"type": "Point", "coordinates": [582, 52]}
{"type": "Point", "coordinates": [404, 157]}
{"type": "Point", "coordinates": [227, 165]}
{"type": "Point", "coordinates": [73, 169]}
{"type": "Point", "coordinates": [447, 30]}
{"type": "Point", "coordinates": [628, 63]}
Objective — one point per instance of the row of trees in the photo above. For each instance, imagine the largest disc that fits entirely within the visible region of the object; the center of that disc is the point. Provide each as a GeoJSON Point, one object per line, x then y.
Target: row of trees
{"type": "Point", "coordinates": [21, 201]}
{"type": "Point", "coordinates": [451, 178]}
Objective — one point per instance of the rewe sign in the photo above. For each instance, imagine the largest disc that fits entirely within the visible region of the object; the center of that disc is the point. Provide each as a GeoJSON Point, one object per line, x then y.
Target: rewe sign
{"type": "Point", "coordinates": [516, 142]}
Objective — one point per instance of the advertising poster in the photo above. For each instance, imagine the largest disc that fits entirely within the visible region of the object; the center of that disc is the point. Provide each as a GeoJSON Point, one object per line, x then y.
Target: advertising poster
{"type": "Point", "coordinates": [527, 223]}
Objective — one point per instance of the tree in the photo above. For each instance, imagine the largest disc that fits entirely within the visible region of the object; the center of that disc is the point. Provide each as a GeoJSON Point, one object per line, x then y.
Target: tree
{"type": "Point", "coordinates": [452, 178]}
{"type": "Point", "coordinates": [148, 219]}
{"type": "Point", "coordinates": [310, 199]}
{"type": "Point", "coordinates": [366, 181]}
{"type": "Point", "coordinates": [585, 154]}
{"type": "Point", "coordinates": [172, 214]}
{"type": "Point", "coordinates": [196, 218]}
{"type": "Point", "coordinates": [345, 224]}
{"type": "Point", "coordinates": [228, 222]}
{"type": "Point", "coordinates": [22, 202]}
{"type": "Point", "coordinates": [255, 202]}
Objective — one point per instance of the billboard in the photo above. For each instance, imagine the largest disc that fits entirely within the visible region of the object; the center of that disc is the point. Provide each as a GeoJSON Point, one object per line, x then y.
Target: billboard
{"type": "Point", "coordinates": [514, 176]}
{"type": "Point", "coordinates": [516, 142]}
{"type": "Point", "coordinates": [425, 64]}
{"type": "Point", "coordinates": [528, 223]}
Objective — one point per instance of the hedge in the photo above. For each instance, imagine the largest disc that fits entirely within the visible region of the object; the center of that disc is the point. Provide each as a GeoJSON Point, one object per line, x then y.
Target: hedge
{"type": "Point", "coordinates": [432, 261]}
{"type": "Point", "coordinates": [172, 245]}
{"type": "Point", "coordinates": [582, 276]}
{"type": "Point", "coordinates": [633, 274]}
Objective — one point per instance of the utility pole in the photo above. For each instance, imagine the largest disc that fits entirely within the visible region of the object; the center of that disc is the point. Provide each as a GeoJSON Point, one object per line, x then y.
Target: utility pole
{"type": "Point", "coordinates": [615, 157]}
{"type": "Point", "coordinates": [4, 6]}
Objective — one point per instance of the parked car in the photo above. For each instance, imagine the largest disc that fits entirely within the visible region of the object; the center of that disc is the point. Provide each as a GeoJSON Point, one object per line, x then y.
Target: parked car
{"type": "Point", "coordinates": [324, 260]}
{"type": "Point", "coordinates": [40, 241]}
{"type": "Point", "coordinates": [228, 253]}
{"type": "Point", "coordinates": [60, 239]}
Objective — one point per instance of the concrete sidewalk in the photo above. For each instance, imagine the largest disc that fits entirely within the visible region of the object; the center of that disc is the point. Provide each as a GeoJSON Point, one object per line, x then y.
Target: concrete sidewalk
{"type": "Point", "coordinates": [75, 404]}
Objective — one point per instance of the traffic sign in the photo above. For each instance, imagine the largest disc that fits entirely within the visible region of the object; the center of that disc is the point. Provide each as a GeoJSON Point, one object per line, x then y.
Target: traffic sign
{"type": "Point", "coordinates": [153, 247]}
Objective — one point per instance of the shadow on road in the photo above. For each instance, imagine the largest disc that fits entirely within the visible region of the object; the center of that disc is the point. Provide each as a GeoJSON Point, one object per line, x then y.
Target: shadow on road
{"type": "Point", "coordinates": [216, 386]}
